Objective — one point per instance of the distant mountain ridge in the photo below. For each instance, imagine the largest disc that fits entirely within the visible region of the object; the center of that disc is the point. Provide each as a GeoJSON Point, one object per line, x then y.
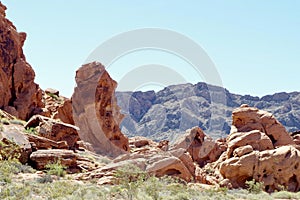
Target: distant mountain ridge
{"type": "Point", "coordinates": [164, 114]}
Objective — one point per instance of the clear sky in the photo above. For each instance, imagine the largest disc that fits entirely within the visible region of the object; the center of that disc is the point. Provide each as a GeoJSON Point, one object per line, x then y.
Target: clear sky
{"type": "Point", "coordinates": [254, 44]}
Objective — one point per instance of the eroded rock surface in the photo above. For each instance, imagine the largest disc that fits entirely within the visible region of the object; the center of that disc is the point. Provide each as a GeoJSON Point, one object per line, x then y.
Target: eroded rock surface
{"type": "Point", "coordinates": [54, 130]}
{"type": "Point", "coordinates": [20, 96]}
{"type": "Point", "coordinates": [57, 107]}
{"type": "Point", "coordinates": [260, 148]}
{"type": "Point", "coordinates": [14, 143]}
{"type": "Point", "coordinates": [96, 112]}
{"type": "Point", "coordinates": [200, 146]}
{"type": "Point", "coordinates": [43, 157]}
{"type": "Point", "coordinates": [149, 157]}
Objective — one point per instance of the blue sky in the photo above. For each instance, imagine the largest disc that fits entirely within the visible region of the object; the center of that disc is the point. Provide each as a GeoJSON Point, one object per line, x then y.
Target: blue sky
{"type": "Point", "coordinates": [254, 44]}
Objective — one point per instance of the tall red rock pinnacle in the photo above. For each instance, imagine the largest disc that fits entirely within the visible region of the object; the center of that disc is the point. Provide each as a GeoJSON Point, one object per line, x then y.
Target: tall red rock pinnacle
{"type": "Point", "coordinates": [96, 112]}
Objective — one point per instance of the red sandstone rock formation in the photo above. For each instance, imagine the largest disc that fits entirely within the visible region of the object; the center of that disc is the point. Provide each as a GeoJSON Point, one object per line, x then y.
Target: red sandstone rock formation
{"type": "Point", "coordinates": [201, 147]}
{"type": "Point", "coordinates": [20, 96]}
{"type": "Point", "coordinates": [57, 107]}
{"type": "Point", "coordinates": [260, 148]}
{"type": "Point", "coordinates": [95, 110]}
{"type": "Point", "coordinates": [54, 130]}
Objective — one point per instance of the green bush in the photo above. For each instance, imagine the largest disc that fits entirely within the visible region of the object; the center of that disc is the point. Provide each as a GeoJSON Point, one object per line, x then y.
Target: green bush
{"type": "Point", "coordinates": [7, 169]}
{"type": "Point", "coordinates": [53, 96]}
{"type": "Point", "coordinates": [17, 121]}
{"type": "Point", "coordinates": [56, 168]}
{"type": "Point", "coordinates": [9, 150]}
{"type": "Point", "coordinates": [254, 187]}
{"type": "Point", "coordinates": [45, 179]}
{"type": "Point", "coordinates": [129, 178]}
{"type": "Point", "coordinates": [4, 121]}
{"type": "Point", "coordinates": [31, 130]}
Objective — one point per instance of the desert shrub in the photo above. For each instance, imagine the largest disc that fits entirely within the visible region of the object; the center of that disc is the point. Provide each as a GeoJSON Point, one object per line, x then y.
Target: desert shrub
{"type": "Point", "coordinates": [254, 186]}
{"type": "Point", "coordinates": [15, 191]}
{"type": "Point", "coordinates": [7, 169]}
{"type": "Point", "coordinates": [10, 167]}
{"type": "Point", "coordinates": [128, 179]}
{"type": "Point", "coordinates": [285, 195]}
{"type": "Point", "coordinates": [56, 168]}
{"type": "Point", "coordinates": [152, 187]}
{"type": "Point", "coordinates": [53, 96]}
{"type": "Point", "coordinates": [17, 122]}
{"type": "Point", "coordinates": [45, 179]}
{"type": "Point", "coordinates": [31, 130]}
{"type": "Point", "coordinates": [4, 121]}
{"type": "Point", "coordinates": [9, 150]}
{"type": "Point", "coordinates": [53, 190]}
{"type": "Point", "coordinates": [25, 168]}
{"type": "Point", "coordinates": [244, 194]}
{"type": "Point", "coordinates": [90, 192]}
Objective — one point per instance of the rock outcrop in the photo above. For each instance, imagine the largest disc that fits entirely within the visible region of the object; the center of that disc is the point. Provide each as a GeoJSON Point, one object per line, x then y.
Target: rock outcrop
{"type": "Point", "coordinates": [202, 148]}
{"type": "Point", "coordinates": [57, 107]}
{"type": "Point", "coordinates": [96, 112]}
{"type": "Point", "coordinates": [14, 144]}
{"type": "Point", "coordinates": [260, 148]}
{"type": "Point", "coordinates": [54, 130]}
{"type": "Point", "coordinates": [43, 157]}
{"type": "Point", "coordinates": [149, 157]}
{"type": "Point", "coordinates": [20, 96]}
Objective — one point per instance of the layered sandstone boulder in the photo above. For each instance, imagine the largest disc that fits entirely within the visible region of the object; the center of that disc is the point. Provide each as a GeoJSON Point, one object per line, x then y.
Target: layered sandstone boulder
{"type": "Point", "coordinates": [54, 130]}
{"type": "Point", "coordinates": [245, 119]}
{"type": "Point", "coordinates": [14, 143]}
{"type": "Point", "coordinates": [20, 96]}
{"type": "Point", "coordinates": [260, 148]}
{"type": "Point", "coordinates": [202, 148]}
{"type": "Point", "coordinates": [41, 158]}
{"type": "Point", "coordinates": [95, 110]}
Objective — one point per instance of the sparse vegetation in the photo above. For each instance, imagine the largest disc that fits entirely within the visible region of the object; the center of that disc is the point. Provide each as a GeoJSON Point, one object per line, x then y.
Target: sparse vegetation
{"type": "Point", "coordinates": [17, 122]}
{"type": "Point", "coordinates": [140, 186]}
{"type": "Point", "coordinates": [254, 186]}
{"type": "Point", "coordinates": [31, 130]}
{"type": "Point", "coordinates": [7, 169]}
{"type": "Point", "coordinates": [45, 179]}
{"type": "Point", "coordinates": [53, 96]}
{"type": "Point", "coordinates": [9, 150]}
{"type": "Point", "coordinates": [4, 121]}
{"type": "Point", "coordinates": [56, 168]}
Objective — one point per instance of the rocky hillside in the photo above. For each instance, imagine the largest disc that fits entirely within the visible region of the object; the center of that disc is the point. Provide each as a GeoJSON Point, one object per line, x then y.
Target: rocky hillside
{"type": "Point", "coordinates": [82, 137]}
{"type": "Point", "coordinates": [158, 115]}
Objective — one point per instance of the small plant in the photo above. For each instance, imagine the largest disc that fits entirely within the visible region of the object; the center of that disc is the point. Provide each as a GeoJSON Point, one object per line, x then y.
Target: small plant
{"type": "Point", "coordinates": [17, 122]}
{"type": "Point", "coordinates": [53, 96]}
{"type": "Point", "coordinates": [31, 130]}
{"type": "Point", "coordinates": [9, 150]}
{"type": "Point", "coordinates": [45, 179]}
{"type": "Point", "coordinates": [7, 169]}
{"type": "Point", "coordinates": [56, 168]}
{"type": "Point", "coordinates": [4, 121]}
{"type": "Point", "coordinates": [254, 187]}
{"type": "Point", "coordinates": [129, 178]}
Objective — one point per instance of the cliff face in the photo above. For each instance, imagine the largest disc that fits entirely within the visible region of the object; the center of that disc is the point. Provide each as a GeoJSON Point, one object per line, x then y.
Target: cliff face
{"type": "Point", "coordinates": [20, 96]}
{"type": "Point", "coordinates": [158, 115]}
